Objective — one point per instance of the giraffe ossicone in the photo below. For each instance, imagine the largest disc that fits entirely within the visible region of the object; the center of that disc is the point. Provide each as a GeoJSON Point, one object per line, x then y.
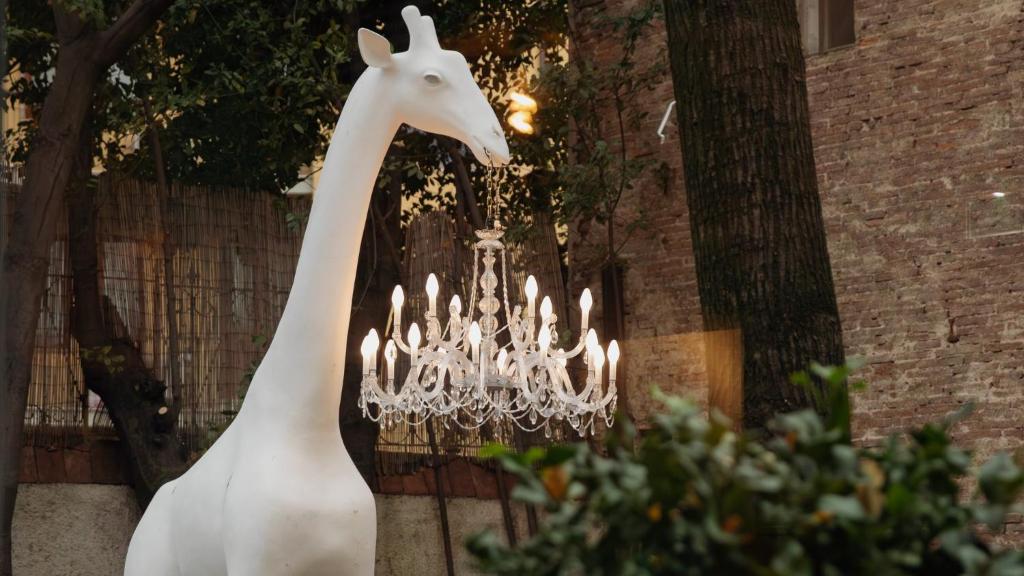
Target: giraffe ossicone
{"type": "Point", "coordinates": [278, 494]}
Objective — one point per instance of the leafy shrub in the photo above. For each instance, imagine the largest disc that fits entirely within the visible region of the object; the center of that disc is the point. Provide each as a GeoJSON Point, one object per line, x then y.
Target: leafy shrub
{"type": "Point", "coordinates": [693, 497]}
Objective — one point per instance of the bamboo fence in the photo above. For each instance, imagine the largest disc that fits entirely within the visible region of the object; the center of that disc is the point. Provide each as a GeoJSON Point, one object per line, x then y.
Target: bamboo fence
{"type": "Point", "coordinates": [233, 260]}
{"type": "Point", "coordinates": [234, 255]}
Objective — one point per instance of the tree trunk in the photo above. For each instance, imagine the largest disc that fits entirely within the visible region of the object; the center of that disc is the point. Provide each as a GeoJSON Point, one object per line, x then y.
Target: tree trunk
{"type": "Point", "coordinates": [758, 236]}
{"type": "Point", "coordinates": [23, 276]}
{"type": "Point", "coordinates": [82, 56]}
{"type": "Point", "coordinates": [112, 365]}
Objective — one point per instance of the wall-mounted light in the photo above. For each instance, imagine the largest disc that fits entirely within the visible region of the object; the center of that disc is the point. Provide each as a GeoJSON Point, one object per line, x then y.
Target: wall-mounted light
{"type": "Point", "coordinates": [522, 108]}
{"type": "Point", "coordinates": [520, 122]}
{"type": "Point", "coordinates": [522, 102]}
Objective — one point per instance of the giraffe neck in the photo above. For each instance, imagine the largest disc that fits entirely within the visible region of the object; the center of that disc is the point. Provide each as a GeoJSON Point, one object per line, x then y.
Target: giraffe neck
{"type": "Point", "coordinates": [299, 381]}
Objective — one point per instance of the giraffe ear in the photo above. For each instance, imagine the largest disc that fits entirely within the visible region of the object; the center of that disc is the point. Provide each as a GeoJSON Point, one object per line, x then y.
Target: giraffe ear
{"type": "Point", "coordinates": [374, 48]}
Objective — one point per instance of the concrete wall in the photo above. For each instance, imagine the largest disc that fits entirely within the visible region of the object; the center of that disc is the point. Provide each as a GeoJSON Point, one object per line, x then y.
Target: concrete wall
{"type": "Point", "coordinates": [83, 530]}
{"type": "Point", "coordinates": [72, 529]}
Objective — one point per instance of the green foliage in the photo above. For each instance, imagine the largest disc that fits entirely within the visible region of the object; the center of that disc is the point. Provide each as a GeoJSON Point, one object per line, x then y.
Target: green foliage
{"type": "Point", "coordinates": [693, 497]}
{"type": "Point", "coordinates": [246, 93]}
{"type": "Point", "coordinates": [587, 106]}
{"type": "Point", "coordinates": [242, 92]}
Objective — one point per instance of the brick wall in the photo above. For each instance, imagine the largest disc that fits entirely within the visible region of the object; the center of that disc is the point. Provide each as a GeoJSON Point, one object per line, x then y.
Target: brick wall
{"type": "Point", "coordinates": [915, 127]}
{"type": "Point", "coordinates": [98, 461]}
{"type": "Point", "coordinates": [914, 130]}
{"type": "Point", "coordinates": [663, 347]}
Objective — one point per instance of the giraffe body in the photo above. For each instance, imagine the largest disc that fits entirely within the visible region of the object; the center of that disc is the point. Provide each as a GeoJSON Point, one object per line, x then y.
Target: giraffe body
{"type": "Point", "coordinates": [278, 494]}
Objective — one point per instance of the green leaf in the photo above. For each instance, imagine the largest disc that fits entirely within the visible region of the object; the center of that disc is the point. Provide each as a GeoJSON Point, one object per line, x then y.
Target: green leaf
{"type": "Point", "coordinates": [844, 507]}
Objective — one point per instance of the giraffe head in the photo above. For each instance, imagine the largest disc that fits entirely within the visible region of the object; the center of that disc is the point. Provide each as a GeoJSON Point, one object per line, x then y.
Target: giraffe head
{"type": "Point", "coordinates": [434, 90]}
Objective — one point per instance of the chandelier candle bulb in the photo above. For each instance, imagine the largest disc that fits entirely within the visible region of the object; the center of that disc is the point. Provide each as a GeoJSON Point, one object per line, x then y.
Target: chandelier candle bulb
{"type": "Point", "coordinates": [544, 340]}
{"type": "Point", "coordinates": [432, 290]}
{"type": "Point", "coordinates": [586, 302]}
{"type": "Point", "coordinates": [455, 306]}
{"type": "Point", "coordinates": [397, 299]}
{"type": "Point", "coordinates": [598, 356]}
{"type": "Point", "coordinates": [374, 342]}
{"type": "Point", "coordinates": [502, 360]}
{"type": "Point", "coordinates": [531, 295]}
{"type": "Point", "coordinates": [414, 341]}
{"type": "Point", "coordinates": [474, 339]}
{"type": "Point", "coordinates": [545, 309]}
{"type": "Point", "coordinates": [364, 348]}
{"type": "Point", "coordinates": [613, 359]}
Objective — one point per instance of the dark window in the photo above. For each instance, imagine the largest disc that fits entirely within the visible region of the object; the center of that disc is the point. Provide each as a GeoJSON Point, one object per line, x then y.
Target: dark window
{"type": "Point", "coordinates": [826, 24]}
{"type": "Point", "coordinates": [836, 23]}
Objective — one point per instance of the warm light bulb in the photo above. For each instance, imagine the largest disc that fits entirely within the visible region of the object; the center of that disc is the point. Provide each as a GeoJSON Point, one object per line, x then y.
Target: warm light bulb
{"type": "Point", "coordinates": [520, 122]}
{"type": "Point", "coordinates": [520, 101]}
{"type": "Point", "coordinates": [531, 287]}
{"type": "Point", "coordinates": [598, 355]}
{"type": "Point", "coordinates": [456, 304]}
{"type": "Point", "coordinates": [586, 300]}
{"type": "Point", "coordinates": [364, 348]}
{"type": "Point", "coordinates": [592, 342]}
{"type": "Point", "coordinates": [474, 334]}
{"type": "Point", "coordinates": [398, 297]}
{"type": "Point", "coordinates": [414, 335]}
{"type": "Point", "coordinates": [374, 341]}
{"type": "Point", "coordinates": [999, 194]}
{"type": "Point", "coordinates": [544, 339]}
{"type": "Point", "coordinates": [502, 358]}
{"type": "Point", "coordinates": [613, 351]}
{"type": "Point", "coordinates": [545, 308]}
{"type": "Point", "coordinates": [432, 286]}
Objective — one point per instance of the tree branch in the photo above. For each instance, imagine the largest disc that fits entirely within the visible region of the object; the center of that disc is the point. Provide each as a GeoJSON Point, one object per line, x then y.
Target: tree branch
{"type": "Point", "coordinates": [115, 40]}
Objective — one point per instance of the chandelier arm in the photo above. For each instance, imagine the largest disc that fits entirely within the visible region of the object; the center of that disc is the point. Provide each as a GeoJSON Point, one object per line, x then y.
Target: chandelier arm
{"type": "Point", "coordinates": [397, 338]}
{"type": "Point", "coordinates": [526, 366]}
{"type": "Point", "coordinates": [374, 381]}
{"type": "Point", "coordinates": [563, 384]}
{"type": "Point", "coordinates": [429, 394]}
{"type": "Point", "coordinates": [574, 352]}
{"type": "Point", "coordinates": [610, 395]}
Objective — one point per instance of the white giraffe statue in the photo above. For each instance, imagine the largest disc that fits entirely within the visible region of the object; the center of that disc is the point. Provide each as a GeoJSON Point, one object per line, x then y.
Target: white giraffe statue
{"type": "Point", "coordinates": [278, 494]}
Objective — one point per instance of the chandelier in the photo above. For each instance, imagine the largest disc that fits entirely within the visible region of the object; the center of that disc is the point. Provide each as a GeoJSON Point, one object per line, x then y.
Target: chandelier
{"type": "Point", "coordinates": [473, 370]}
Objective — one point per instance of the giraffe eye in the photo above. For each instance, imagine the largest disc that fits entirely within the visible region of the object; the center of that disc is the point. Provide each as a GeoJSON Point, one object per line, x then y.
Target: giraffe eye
{"type": "Point", "coordinates": [432, 78]}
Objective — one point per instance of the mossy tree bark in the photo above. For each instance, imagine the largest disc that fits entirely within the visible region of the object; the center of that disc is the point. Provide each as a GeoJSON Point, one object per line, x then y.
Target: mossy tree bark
{"type": "Point", "coordinates": [758, 236]}
{"type": "Point", "coordinates": [112, 365]}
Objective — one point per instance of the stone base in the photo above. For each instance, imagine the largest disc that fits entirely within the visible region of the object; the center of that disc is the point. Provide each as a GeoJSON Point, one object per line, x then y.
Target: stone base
{"type": "Point", "coordinates": [84, 529]}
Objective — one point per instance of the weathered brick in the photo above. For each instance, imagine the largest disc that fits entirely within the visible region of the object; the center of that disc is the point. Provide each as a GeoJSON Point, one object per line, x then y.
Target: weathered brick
{"type": "Point", "coordinates": [78, 465]}
{"type": "Point", "coordinates": [27, 471]}
{"type": "Point", "coordinates": [49, 465]}
{"type": "Point", "coordinates": [461, 477]}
